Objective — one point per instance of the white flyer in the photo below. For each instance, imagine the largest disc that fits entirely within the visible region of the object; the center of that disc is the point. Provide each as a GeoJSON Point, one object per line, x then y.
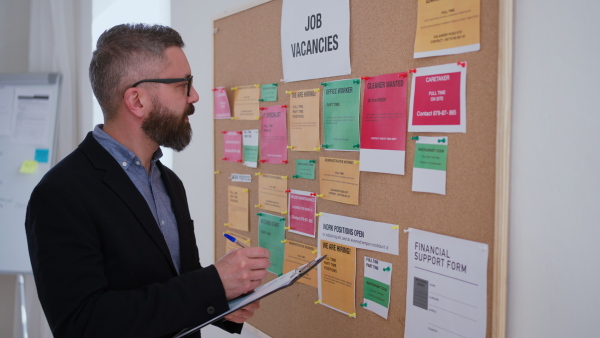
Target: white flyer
{"type": "Point", "coordinates": [32, 116]}
{"type": "Point", "coordinates": [315, 39]}
{"type": "Point", "coordinates": [430, 165]}
{"type": "Point", "coordinates": [359, 233]}
{"type": "Point", "coordinates": [250, 144]}
{"type": "Point", "coordinates": [446, 292]}
{"type": "Point", "coordinates": [377, 286]}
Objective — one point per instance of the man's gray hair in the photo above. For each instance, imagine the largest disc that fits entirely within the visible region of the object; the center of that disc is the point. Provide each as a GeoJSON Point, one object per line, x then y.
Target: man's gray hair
{"type": "Point", "coordinates": [124, 55]}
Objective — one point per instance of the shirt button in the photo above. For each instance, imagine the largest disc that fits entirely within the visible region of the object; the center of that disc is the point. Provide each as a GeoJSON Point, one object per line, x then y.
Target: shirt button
{"type": "Point", "coordinates": [124, 164]}
{"type": "Point", "coordinates": [162, 222]}
{"type": "Point", "coordinates": [210, 310]}
{"type": "Point", "coordinates": [137, 162]}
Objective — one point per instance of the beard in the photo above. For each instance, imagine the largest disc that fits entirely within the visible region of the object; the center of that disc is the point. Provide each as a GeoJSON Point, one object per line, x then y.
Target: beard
{"type": "Point", "coordinates": [167, 128]}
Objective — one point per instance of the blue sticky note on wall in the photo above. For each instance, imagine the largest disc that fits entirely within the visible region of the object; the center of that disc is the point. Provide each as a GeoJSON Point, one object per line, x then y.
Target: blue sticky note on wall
{"type": "Point", "coordinates": [41, 155]}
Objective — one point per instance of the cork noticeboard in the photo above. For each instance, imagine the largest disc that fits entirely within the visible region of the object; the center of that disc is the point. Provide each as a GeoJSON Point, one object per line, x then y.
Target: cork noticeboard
{"type": "Point", "coordinates": [247, 51]}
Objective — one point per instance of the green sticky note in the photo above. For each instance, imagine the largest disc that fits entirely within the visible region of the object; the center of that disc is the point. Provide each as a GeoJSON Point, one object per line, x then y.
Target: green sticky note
{"type": "Point", "coordinates": [431, 156]}
{"type": "Point", "coordinates": [271, 231]}
{"type": "Point", "coordinates": [341, 103]}
{"type": "Point", "coordinates": [305, 169]}
{"type": "Point", "coordinates": [377, 291]}
{"type": "Point", "coordinates": [268, 92]}
{"type": "Point", "coordinates": [251, 154]}
{"type": "Point", "coordinates": [28, 167]}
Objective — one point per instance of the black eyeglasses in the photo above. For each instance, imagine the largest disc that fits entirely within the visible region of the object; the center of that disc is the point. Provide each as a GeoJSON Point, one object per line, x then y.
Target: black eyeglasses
{"type": "Point", "coordinates": [188, 79]}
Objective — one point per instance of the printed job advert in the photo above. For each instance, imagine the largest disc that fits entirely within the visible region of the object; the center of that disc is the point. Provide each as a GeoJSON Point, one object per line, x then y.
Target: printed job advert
{"type": "Point", "coordinates": [369, 235]}
{"type": "Point", "coordinates": [446, 292]}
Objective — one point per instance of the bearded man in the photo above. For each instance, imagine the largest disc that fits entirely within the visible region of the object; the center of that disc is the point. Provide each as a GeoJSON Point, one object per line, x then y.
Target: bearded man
{"type": "Point", "coordinates": [110, 236]}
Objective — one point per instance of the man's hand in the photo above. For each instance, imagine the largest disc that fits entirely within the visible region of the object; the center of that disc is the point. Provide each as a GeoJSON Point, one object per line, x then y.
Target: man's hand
{"type": "Point", "coordinates": [244, 313]}
{"type": "Point", "coordinates": [242, 270]}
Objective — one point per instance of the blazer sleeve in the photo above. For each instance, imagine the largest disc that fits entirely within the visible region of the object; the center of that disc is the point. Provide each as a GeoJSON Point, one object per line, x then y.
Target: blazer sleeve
{"type": "Point", "coordinates": [66, 252]}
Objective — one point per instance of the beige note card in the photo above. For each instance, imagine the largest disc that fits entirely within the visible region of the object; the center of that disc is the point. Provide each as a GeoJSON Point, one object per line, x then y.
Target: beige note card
{"type": "Point", "coordinates": [446, 27]}
{"type": "Point", "coordinates": [238, 208]}
{"type": "Point", "coordinates": [304, 120]}
{"type": "Point", "coordinates": [298, 254]}
{"type": "Point", "coordinates": [338, 276]}
{"type": "Point", "coordinates": [339, 180]}
{"type": "Point", "coordinates": [245, 102]}
{"type": "Point", "coordinates": [229, 245]}
{"type": "Point", "coordinates": [272, 193]}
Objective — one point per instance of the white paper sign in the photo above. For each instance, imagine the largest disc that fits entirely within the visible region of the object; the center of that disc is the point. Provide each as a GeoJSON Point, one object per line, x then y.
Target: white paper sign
{"type": "Point", "coordinates": [315, 39]}
{"type": "Point", "coordinates": [241, 178]}
{"type": "Point", "coordinates": [377, 288]}
{"type": "Point", "coordinates": [361, 234]}
{"type": "Point", "coordinates": [446, 292]}
{"type": "Point", "coordinates": [32, 116]}
{"type": "Point", "coordinates": [429, 169]}
{"type": "Point", "coordinates": [250, 142]}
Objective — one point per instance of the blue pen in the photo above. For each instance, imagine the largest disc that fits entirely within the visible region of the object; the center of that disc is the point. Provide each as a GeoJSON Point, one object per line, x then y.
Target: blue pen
{"type": "Point", "coordinates": [235, 240]}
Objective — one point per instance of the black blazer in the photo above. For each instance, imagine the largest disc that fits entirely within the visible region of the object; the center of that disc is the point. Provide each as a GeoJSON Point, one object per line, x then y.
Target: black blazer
{"type": "Point", "coordinates": [101, 264]}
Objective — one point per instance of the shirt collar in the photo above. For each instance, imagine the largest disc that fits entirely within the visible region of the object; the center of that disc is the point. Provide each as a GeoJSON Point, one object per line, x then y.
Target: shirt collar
{"type": "Point", "coordinates": [124, 156]}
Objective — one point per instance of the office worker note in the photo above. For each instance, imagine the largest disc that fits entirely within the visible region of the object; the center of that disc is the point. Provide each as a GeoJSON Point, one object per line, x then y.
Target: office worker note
{"type": "Point", "coordinates": [446, 286]}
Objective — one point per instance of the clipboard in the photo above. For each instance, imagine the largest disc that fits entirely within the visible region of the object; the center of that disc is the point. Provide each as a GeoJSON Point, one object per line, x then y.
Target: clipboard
{"type": "Point", "coordinates": [262, 291]}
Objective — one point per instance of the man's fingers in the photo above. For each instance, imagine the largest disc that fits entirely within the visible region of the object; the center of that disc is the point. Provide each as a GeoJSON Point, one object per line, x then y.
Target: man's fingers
{"type": "Point", "coordinates": [257, 252]}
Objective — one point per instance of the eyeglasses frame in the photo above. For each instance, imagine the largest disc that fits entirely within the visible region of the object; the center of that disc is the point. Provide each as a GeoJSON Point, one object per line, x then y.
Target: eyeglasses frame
{"type": "Point", "coordinates": [187, 79]}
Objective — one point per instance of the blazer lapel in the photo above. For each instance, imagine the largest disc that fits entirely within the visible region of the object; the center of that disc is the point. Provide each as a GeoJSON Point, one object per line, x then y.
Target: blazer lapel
{"type": "Point", "coordinates": [118, 181]}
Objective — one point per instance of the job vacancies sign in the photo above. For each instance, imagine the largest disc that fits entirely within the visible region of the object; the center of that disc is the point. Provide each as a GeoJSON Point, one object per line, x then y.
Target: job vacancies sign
{"type": "Point", "coordinates": [315, 39]}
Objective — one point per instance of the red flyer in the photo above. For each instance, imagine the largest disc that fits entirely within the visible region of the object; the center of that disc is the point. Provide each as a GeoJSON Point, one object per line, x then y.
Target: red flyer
{"type": "Point", "coordinates": [232, 146]}
{"type": "Point", "coordinates": [221, 104]}
{"type": "Point", "coordinates": [302, 210]}
{"type": "Point", "coordinates": [273, 138]}
{"type": "Point", "coordinates": [383, 133]}
{"type": "Point", "coordinates": [438, 100]}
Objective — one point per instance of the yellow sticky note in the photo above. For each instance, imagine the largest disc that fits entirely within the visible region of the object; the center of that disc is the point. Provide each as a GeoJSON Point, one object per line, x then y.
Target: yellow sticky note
{"type": "Point", "coordinates": [28, 167]}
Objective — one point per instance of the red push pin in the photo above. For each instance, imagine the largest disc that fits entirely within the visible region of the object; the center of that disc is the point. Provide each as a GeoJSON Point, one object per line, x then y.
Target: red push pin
{"type": "Point", "coordinates": [285, 161]}
{"type": "Point", "coordinates": [223, 158]}
{"type": "Point", "coordinates": [223, 131]}
{"type": "Point", "coordinates": [284, 106]}
{"type": "Point", "coordinates": [313, 194]}
{"type": "Point", "coordinates": [365, 78]}
{"type": "Point", "coordinates": [413, 70]}
{"type": "Point", "coordinates": [464, 64]}
{"type": "Point", "coordinates": [262, 161]}
{"type": "Point", "coordinates": [288, 191]}
{"type": "Point", "coordinates": [262, 108]}
{"type": "Point", "coordinates": [214, 89]}
{"type": "Point", "coordinates": [240, 161]}
{"type": "Point", "coordinates": [402, 75]}
{"type": "Point", "coordinates": [238, 132]}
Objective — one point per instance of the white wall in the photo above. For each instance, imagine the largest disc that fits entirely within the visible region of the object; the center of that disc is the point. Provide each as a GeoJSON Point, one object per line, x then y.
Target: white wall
{"type": "Point", "coordinates": [555, 187]}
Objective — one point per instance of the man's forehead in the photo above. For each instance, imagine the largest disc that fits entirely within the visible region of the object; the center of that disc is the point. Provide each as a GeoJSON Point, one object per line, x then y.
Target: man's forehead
{"type": "Point", "coordinates": [177, 64]}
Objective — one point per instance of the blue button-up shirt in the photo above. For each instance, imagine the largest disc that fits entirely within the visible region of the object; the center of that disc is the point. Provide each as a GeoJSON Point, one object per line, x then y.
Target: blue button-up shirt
{"type": "Point", "coordinates": [149, 184]}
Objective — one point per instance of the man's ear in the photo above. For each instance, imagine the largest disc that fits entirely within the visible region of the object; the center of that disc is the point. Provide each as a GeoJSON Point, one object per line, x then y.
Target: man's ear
{"type": "Point", "coordinates": [137, 101]}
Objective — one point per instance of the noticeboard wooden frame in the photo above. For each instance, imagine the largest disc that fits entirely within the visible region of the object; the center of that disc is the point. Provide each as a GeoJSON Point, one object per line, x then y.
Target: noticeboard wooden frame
{"type": "Point", "coordinates": [247, 51]}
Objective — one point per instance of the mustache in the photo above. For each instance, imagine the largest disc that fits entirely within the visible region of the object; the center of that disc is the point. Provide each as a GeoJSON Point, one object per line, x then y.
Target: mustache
{"type": "Point", "coordinates": [189, 110]}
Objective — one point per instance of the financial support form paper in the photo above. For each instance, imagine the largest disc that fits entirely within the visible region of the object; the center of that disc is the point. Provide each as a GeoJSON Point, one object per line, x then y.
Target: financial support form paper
{"type": "Point", "coordinates": [446, 286]}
